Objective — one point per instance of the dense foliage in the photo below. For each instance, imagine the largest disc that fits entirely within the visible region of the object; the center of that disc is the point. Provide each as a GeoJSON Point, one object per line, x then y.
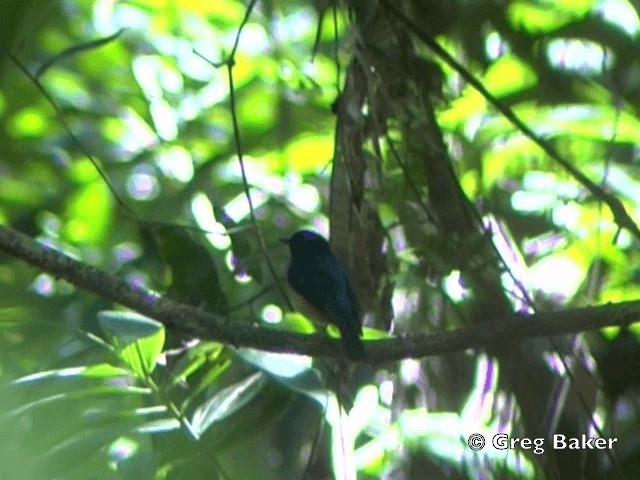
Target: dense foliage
{"type": "Point", "coordinates": [134, 134]}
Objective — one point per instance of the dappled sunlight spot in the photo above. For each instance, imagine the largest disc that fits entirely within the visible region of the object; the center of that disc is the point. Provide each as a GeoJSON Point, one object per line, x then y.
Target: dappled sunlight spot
{"type": "Point", "coordinates": [124, 253]}
{"type": "Point", "coordinates": [189, 107]}
{"type": "Point", "coordinates": [474, 123]}
{"type": "Point", "coordinates": [194, 66]}
{"type": "Point", "coordinates": [165, 119]}
{"type": "Point", "coordinates": [28, 122]}
{"type": "Point", "coordinates": [410, 371]}
{"type": "Point", "coordinates": [257, 172]}
{"type": "Point", "coordinates": [202, 211]}
{"type": "Point", "coordinates": [103, 17]}
{"type": "Point", "coordinates": [136, 280]}
{"type": "Point", "coordinates": [295, 27]}
{"type": "Point", "coordinates": [304, 197]}
{"type": "Point", "coordinates": [404, 303]}
{"type": "Point", "coordinates": [122, 448]}
{"type": "Point", "coordinates": [271, 314]}
{"type": "Point", "coordinates": [242, 276]}
{"type": "Point", "coordinates": [322, 71]}
{"type": "Point", "coordinates": [143, 185]}
{"type": "Point", "coordinates": [532, 202]}
{"type": "Point", "coordinates": [287, 71]}
{"type": "Point", "coordinates": [541, 17]}
{"type": "Point", "coordinates": [386, 392]}
{"type": "Point", "coordinates": [549, 182]}
{"type": "Point", "coordinates": [544, 244]}
{"type": "Point", "coordinates": [385, 443]}
{"type": "Point", "coordinates": [537, 180]}
{"type": "Point", "coordinates": [438, 432]}
{"type": "Point", "coordinates": [257, 109]}
{"type": "Point", "coordinates": [579, 55]}
{"type": "Point", "coordinates": [175, 162]}
{"type": "Point", "coordinates": [170, 79]}
{"type": "Point", "coordinates": [479, 407]}
{"type": "Point", "coordinates": [577, 113]}
{"type": "Point", "coordinates": [89, 213]}
{"type": "Point", "coordinates": [49, 223]}
{"type": "Point", "coordinates": [452, 285]}
{"type": "Point", "coordinates": [285, 365]}
{"type": "Point", "coordinates": [508, 75]}
{"type": "Point", "coordinates": [495, 46]}
{"type": "Point", "coordinates": [154, 78]}
{"type": "Point", "coordinates": [144, 70]}
{"type": "Point", "coordinates": [60, 373]}
{"type": "Point", "coordinates": [514, 279]}
{"type": "Point", "coordinates": [623, 183]}
{"type": "Point", "coordinates": [485, 383]}
{"type": "Point", "coordinates": [235, 265]}
{"type": "Point", "coordinates": [366, 409]}
{"type": "Point", "coordinates": [125, 15]}
{"type": "Point", "coordinates": [44, 285]}
{"type": "Point", "coordinates": [554, 362]}
{"type": "Point", "coordinates": [598, 420]}
{"type": "Point", "coordinates": [557, 275]}
{"type": "Point", "coordinates": [309, 153]}
{"type": "Point", "coordinates": [567, 215]}
{"type": "Point", "coordinates": [320, 224]}
{"type": "Point", "coordinates": [83, 171]}
{"type": "Point", "coordinates": [620, 13]}
{"type": "Point", "coordinates": [68, 88]}
{"type": "Point", "coordinates": [253, 41]}
{"type": "Point", "coordinates": [467, 112]}
{"type": "Point", "coordinates": [238, 208]}
{"type": "Point", "coordinates": [129, 131]}
{"type": "Point", "coordinates": [212, 93]}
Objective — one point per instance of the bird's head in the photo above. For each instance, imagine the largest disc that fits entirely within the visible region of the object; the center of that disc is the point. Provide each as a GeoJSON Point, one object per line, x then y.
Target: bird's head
{"type": "Point", "coordinates": [306, 243]}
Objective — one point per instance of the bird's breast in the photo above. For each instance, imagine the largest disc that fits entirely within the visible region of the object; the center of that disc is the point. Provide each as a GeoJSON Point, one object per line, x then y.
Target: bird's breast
{"type": "Point", "coordinates": [305, 308]}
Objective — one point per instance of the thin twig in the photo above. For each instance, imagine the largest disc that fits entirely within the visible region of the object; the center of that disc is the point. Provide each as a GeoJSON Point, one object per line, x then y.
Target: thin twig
{"type": "Point", "coordinates": [620, 214]}
{"type": "Point", "coordinates": [229, 63]}
{"type": "Point", "coordinates": [75, 49]}
{"type": "Point", "coordinates": [67, 128]}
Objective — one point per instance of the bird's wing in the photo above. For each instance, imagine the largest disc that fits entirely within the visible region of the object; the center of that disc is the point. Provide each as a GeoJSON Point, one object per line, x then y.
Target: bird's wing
{"type": "Point", "coordinates": [320, 280]}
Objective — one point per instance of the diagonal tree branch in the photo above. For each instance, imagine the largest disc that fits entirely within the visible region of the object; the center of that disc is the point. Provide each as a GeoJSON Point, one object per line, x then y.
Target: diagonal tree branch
{"type": "Point", "coordinates": [208, 326]}
{"type": "Point", "coordinates": [620, 214]}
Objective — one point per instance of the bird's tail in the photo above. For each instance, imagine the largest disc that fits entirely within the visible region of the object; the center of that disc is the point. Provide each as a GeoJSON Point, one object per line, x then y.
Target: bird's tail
{"type": "Point", "coordinates": [353, 345]}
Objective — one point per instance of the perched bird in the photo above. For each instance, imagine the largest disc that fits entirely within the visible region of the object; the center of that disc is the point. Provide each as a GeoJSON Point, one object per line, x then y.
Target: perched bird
{"type": "Point", "coordinates": [319, 280]}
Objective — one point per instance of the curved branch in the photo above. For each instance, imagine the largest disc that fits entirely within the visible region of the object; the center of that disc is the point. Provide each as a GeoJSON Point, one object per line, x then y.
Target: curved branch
{"type": "Point", "coordinates": [247, 334]}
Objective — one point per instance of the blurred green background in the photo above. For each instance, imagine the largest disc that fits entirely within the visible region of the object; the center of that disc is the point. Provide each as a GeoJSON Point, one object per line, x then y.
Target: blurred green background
{"type": "Point", "coordinates": [129, 80]}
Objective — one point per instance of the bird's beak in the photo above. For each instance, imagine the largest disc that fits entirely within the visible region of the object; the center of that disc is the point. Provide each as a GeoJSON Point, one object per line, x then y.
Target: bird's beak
{"type": "Point", "coordinates": [285, 240]}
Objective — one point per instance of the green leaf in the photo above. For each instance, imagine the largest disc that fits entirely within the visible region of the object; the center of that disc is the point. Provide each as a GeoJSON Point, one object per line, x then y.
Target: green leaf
{"type": "Point", "coordinates": [195, 358]}
{"type": "Point", "coordinates": [102, 370]}
{"type": "Point", "coordinates": [508, 75]}
{"type": "Point", "coordinates": [226, 402]}
{"type": "Point", "coordinates": [543, 17]}
{"type": "Point", "coordinates": [89, 213]}
{"type": "Point", "coordinates": [93, 393]}
{"type": "Point", "coordinates": [296, 372]}
{"type": "Point", "coordinates": [309, 153]}
{"type": "Point", "coordinates": [138, 339]}
{"type": "Point", "coordinates": [194, 272]}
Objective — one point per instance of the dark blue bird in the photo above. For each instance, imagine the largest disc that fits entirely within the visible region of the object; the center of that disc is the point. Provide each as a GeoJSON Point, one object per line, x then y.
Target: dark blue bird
{"type": "Point", "coordinates": [320, 279]}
